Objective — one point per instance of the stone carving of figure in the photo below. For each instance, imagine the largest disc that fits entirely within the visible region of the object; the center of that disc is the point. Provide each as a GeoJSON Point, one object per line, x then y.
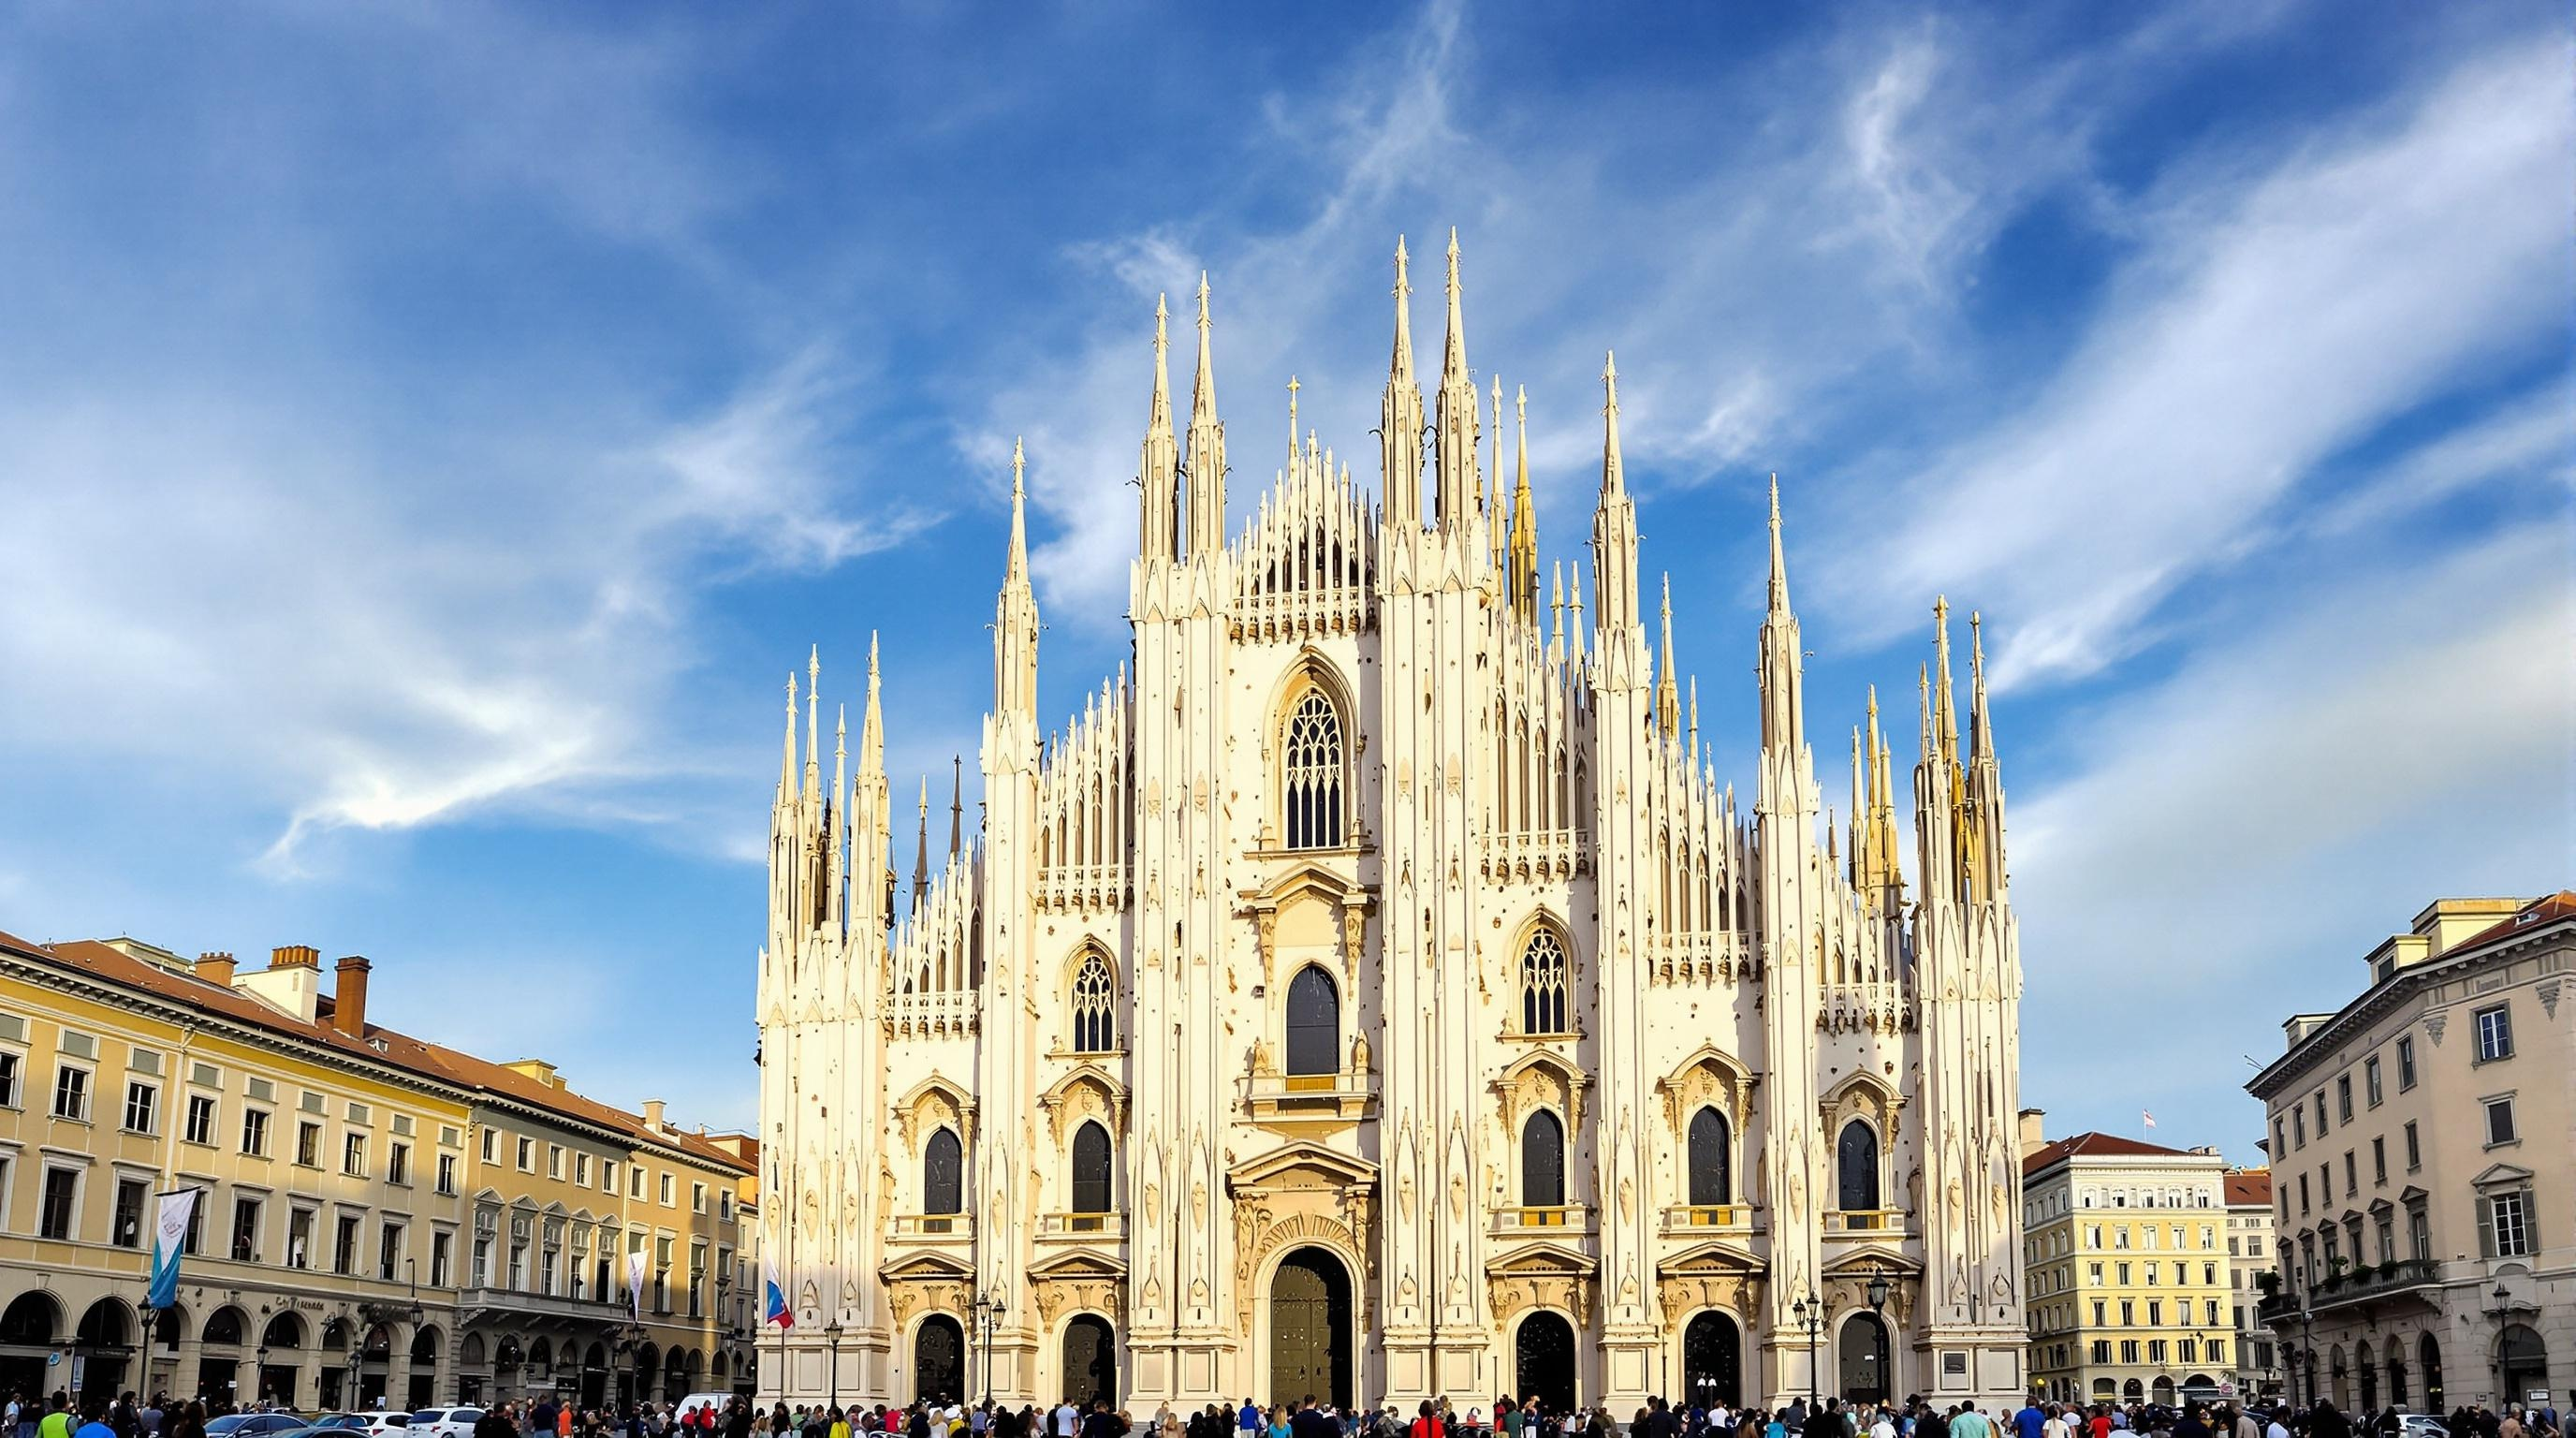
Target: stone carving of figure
{"type": "Point", "coordinates": [1261, 1063]}
{"type": "Point", "coordinates": [1359, 1053]}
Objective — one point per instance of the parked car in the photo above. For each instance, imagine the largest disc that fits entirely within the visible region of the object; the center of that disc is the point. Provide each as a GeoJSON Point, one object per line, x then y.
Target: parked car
{"type": "Point", "coordinates": [340, 1420]}
{"type": "Point", "coordinates": [381, 1421]}
{"type": "Point", "coordinates": [2422, 1425]}
{"type": "Point", "coordinates": [256, 1425]}
{"type": "Point", "coordinates": [442, 1423]}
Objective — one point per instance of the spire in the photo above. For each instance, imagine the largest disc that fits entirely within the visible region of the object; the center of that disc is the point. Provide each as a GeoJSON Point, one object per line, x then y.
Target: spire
{"type": "Point", "coordinates": [1459, 420]}
{"type": "Point", "coordinates": [1947, 732]}
{"type": "Point", "coordinates": [787, 762]}
{"type": "Point", "coordinates": [1779, 564]}
{"type": "Point", "coordinates": [1453, 359]}
{"type": "Point", "coordinates": [1783, 662]}
{"type": "Point", "coordinates": [1556, 605]}
{"type": "Point", "coordinates": [1613, 479]}
{"type": "Point", "coordinates": [1524, 545]}
{"type": "Point", "coordinates": [1293, 387]}
{"type": "Point", "coordinates": [1668, 689]}
{"type": "Point", "coordinates": [872, 720]}
{"type": "Point", "coordinates": [813, 717]}
{"type": "Point", "coordinates": [956, 805]}
{"type": "Point", "coordinates": [1694, 714]}
{"type": "Point", "coordinates": [1400, 415]}
{"type": "Point", "coordinates": [1015, 568]}
{"type": "Point", "coordinates": [1981, 737]}
{"type": "Point", "coordinates": [1159, 468]}
{"type": "Point", "coordinates": [1497, 530]}
{"type": "Point", "coordinates": [1015, 614]}
{"type": "Point", "coordinates": [921, 851]}
{"type": "Point", "coordinates": [1614, 529]}
{"type": "Point", "coordinates": [1207, 446]}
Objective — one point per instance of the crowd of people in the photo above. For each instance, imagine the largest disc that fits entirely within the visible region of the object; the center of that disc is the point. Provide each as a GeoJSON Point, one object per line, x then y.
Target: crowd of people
{"type": "Point", "coordinates": [28, 1416]}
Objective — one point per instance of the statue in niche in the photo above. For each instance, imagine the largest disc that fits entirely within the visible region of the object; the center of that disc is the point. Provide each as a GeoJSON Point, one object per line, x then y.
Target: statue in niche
{"type": "Point", "coordinates": [1359, 1053]}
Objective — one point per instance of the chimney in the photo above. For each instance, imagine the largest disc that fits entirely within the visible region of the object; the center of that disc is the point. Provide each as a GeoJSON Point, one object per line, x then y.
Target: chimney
{"type": "Point", "coordinates": [295, 956]}
{"type": "Point", "coordinates": [2034, 1131]}
{"type": "Point", "coordinates": [653, 1114]}
{"type": "Point", "coordinates": [215, 969]}
{"type": "Point", "coordinates": [349, 1000]}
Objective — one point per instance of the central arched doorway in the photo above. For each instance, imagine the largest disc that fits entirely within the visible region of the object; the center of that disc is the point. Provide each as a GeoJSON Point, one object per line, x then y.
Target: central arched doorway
{"type": "Point", "coordinates": [1864, 1359]}
{"type": "Point", "coordinates": [939, 1360]}
{"type": "Point", "coordinates": [1712, 1362]}
{"type": "Point", "coordinates": [1090, 1361]}
{"type": "Point", "coordinates": [1543, 1361]}
{"type": "Point", "coordinates": [1310, 1329]}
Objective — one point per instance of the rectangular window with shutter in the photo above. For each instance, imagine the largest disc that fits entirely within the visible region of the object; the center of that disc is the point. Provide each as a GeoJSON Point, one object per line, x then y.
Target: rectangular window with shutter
{"type": "Point", "coordinates": [2500, 1129]}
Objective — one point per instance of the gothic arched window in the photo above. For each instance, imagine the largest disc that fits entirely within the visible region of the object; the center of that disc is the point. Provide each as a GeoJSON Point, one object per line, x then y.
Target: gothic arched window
{"type": "Point", "coordinates": [1314, 1023]}
{"type": "Point", "coordinates": [1545, 978]}
{"type": "Point", "coordinates": [1091, 1169]}
{"type": "Point", "coordinates": [1543, 1161]}
{"type": "Point", "coordinates": [1095, 1030]}
{"type": "Point", "coordinates": [1312, 774]}
{"type": "Point", "coordinates": [942, 1174]}
{"type": "Point", "coordinates": [1711, 1168]}
{"type": "Point", "coordinates": [1856, 1169]}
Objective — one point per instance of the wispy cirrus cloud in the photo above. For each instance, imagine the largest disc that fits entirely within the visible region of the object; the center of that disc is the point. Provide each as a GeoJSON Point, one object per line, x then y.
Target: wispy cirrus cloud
{"type": "Point", "coordinates": [2263, 326]}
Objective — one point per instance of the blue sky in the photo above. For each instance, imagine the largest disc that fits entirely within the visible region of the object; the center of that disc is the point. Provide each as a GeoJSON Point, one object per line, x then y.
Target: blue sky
{"type": "Point", "coordinates": [430, 434]}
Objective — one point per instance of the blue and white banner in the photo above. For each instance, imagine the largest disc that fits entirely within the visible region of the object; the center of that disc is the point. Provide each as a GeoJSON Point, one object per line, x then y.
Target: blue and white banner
{"type": "Point", "coordinates": [169, 1235]}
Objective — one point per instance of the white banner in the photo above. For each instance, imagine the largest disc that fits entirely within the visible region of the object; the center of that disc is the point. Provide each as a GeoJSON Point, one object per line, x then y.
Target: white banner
{"type": "Point", "coordinates": [635, 1281]}
{"type": "Point", "coordinates": [169, 1235]}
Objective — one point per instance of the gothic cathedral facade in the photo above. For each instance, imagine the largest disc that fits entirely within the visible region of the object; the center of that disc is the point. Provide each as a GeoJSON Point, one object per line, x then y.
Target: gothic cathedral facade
{"type": "Point", "coordinates": [1373, 994]}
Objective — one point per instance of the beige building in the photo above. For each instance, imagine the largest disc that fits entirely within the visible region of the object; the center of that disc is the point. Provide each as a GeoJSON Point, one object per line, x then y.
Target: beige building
{"type": "Point", "coordinates": [1373, 991]}
{"type": "Point", "coordinates": [2423, 1188]}
{"type": "Point", "coordinates": [379, 1219]}
{"type": "Point", "coordinates": [2249, 1256]}
{"type": "Point", "coordinates": [2123, 1244]}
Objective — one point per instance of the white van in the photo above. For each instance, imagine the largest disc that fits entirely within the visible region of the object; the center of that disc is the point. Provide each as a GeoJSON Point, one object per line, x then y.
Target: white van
{"type": "Point", "coordinates": [695, 1401]}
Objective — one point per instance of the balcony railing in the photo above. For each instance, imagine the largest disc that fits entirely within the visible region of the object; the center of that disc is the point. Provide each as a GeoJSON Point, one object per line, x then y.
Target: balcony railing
{"type": "Point", "coordinates": [2358, 1285]}
{"type": "Point", "coordinates": [934, 1227]}
{"type": "Point", "coordinates": [1542, 1219]}
{"type": "Point", "coordinates": [1864, 1220]}
{"type": "Point", "coordinates": [1712, 1218]}
{"type": "Point", "coordinates": [1089, 1227]}
{"type": "Point", "coordinates": [1290, 1098]}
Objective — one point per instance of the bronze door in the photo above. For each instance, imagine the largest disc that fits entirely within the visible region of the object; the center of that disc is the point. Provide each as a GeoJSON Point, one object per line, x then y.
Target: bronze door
{"type": "Point", "coordinates": [1310, 1322]}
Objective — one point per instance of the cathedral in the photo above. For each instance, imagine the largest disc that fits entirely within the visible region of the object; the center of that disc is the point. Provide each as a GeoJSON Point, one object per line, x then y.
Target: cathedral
{"type": "Point", "coordinates": [1372, 993]}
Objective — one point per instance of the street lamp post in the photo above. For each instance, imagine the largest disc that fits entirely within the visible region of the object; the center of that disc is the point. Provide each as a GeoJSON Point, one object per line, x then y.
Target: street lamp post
{"type": "Point", "coordinates": [988, 1316]}
{"type": "Point", "coordinates": [832, 1337]}
{"type": "Point", "coordinates": [2308, 1347]}
{"type": "Point", "coordinates": [1886, 1355]}
{"type": "Point", "coordinates": [2501, 1311]}
{"type": "Point", "coordinates": [1810, 1314]}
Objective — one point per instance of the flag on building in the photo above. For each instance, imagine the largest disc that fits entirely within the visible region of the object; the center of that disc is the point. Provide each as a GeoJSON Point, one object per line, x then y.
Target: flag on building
{"type": "Point", "coordinates": [169, 1236]}
{"type": "Point", "coordinates": [635, 1282]}
{"type": "Point", "coordinates": [774, 1299]}
{"type": "Point", "coordinates": [2151, 1118]}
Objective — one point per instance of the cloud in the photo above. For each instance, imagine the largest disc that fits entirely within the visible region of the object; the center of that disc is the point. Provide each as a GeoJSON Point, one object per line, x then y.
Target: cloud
{"type": "Point", "coordinates": [2262, 328]}
{"type": "Point", "coordinates": [363, 661]}
{"type": "Point", "coordinates": [2530, 438]}
{"type": "Point", "coordinates": [2248, 827]}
